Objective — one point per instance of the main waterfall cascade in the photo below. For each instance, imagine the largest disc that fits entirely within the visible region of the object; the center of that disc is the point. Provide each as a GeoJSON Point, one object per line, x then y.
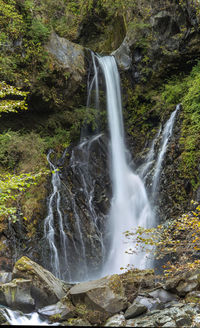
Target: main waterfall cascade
{"type": "Point", "coordinates": [78, 252]}
{"type": "Point", "coordinates": [130, 206]}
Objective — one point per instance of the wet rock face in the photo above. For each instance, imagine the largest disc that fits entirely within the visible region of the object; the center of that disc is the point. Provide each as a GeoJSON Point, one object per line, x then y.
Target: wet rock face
{"type": "Point", "coordinates": [17, 294]}
{"type": "Point", "coordinates": [85, 192]}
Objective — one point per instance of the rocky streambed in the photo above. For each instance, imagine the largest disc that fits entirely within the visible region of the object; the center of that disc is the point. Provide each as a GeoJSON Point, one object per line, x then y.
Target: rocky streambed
{"type": "Point", "coordinates": [133, 299]}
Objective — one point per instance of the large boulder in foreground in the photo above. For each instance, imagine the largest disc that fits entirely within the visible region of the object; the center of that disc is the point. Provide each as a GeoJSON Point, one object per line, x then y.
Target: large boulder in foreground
{"type": "Point", "coordinates": [17, 295]}
{"type": "Point", "coordinates": [46, 288]}
{"type": "Point", "coordinates": [103, 295]}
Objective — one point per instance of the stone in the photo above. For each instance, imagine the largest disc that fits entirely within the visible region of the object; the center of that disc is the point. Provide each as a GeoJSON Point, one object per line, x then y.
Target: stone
{"type": "Point", "coordinates": [135, 310]}
{"type": "Point", "coordinates": [117, 320]}
{"type": "Point", "coordinates": [60, 311]}
{"type": "Point", "coordinates": [163, 320]}
{"type": "Point", "coordinates": [46, 289]}
{"type": "Point", "coordinates": [5, 277]}
{"type": "Point", "coordinates": [193, 297]}
{"type": "Point", "coordinates": [187, 286]}
{"type": "Point", "coordinates": [170, 324]}
{"type": "Point", "coordinates": [105, 294]}
{"type": "Point", "coordinates": [70, 57]}
{"type": "Point", "coordinates": [184, 284]}
{"type": "Point", "coordinates": [143, 322]}
{"type": "Point", "coordinates": [123, 55]}
{"type": "Point", "coordinates": [76, 322]}
{"type": "Point", "coordinates": [183, 320]}
{"type": "Point", "coordinates": [163, 295]}
{"type": "Point", "coordinates": [17, 295]}
{"type": "Point", "coordinates": [149, 303]}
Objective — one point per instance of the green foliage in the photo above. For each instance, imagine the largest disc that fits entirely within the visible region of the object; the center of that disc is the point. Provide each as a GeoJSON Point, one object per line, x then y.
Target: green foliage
{"type": "Point", "coordinates": [21, 151]}
{"type": "Point", "coordinates": [38, 31]}
{"type": "Point", "coordinates": [11, 187]}
{"type": "Point", "coordinates": [11, 20]}
{"type": "Point", "coordinates": [12, 99]}
{"type": "Point", "coordinates": [59, 141]}
{"type": "Point", "coordinates": [185, 90]}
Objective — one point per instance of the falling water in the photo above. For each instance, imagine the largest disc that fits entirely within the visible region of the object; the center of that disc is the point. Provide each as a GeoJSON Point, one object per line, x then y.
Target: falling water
{"type": "Point", "coordinates": [15, 318]}
{"type": "Point", "coordinates": [79, 163]}
{"type": "Point", "coordinates": [130, 206]}
{"type": "Point", "coordinates": [167, 133]}
{"type": "Point", "coordinates": [144, 169]}
{"type": "Point", "coordinates": [58, 260]}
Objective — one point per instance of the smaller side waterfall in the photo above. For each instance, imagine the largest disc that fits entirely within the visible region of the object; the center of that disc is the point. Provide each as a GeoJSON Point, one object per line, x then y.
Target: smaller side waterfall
{"type": "Point", "coordinates": [149, 160]}
{"type": "Point", "coordinates": [58, 260]}
{"type": "Point", "coordinates": [74, 226]}
{"type": "Point", "coordinates": [166, 135]}
{"type": "Point", "coordinates": [80, 165]}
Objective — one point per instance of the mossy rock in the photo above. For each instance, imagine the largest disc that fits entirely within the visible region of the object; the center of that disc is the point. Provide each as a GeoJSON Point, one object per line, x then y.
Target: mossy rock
{"type": "Point", "coordinates": [46, 288]}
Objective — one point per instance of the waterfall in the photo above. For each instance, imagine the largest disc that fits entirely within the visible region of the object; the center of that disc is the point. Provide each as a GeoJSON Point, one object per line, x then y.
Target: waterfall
{"type": "Point", "coordinates": [130, 206]}
{"type": "Point", "coordinates": [73, 227]}
{"type": "Point", "coordinates": [85, 242]}
{"type": "Point", "coordinates": [80, 164]}
{"type": "Point", "coordinates": [144, 169]}
{"type": "Point", "coordinates": [166, 135]}
{"type": "Point", "coordinates": [58, 260]}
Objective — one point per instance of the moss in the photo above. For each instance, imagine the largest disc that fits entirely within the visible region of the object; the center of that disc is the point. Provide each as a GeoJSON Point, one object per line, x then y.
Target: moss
{"type": "Point", "coordinates": [23, 265]}
{"type": "Point", "coordinates": [55, 318]}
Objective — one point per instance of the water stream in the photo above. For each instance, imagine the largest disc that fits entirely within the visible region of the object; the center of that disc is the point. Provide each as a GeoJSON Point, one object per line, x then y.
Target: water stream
{"type": "Point", "coordinates": [59, 264]}
{"type": "Point", "coordinates": [166, 135]}
{"type": "Point", "coordinates": [17, 318]}
{"type": "Point", "coordinates": [130, 206]}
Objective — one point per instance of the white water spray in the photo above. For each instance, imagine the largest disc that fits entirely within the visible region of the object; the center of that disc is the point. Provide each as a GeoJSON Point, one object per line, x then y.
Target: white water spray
{"type": "Point", "coordinates": [149, 160]}
{"type": "Point", "coordinates": [130, 206]}
{"type": "Point", "coordinates": [16, 318]}
{"type": "Point", "coordinates": [167, 133]}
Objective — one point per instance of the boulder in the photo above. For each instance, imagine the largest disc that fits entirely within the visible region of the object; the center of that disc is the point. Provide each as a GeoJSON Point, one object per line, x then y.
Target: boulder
{"type": "Point", "coordinates": [17, 295]}
{"type": "Point", "coordinates": [191, 283]}
{"type": "Point", "coordinates": [104, 295]}
{"type": "Point", "coordinates": [71, 59]}
{"type": "Point", "coordinates": [46, 288]}
{"type": "Point", "coordinates": [135, 310]}
{"type": "Point", "coordinates": [149, 302]}
{"type": "Point", "coordinates": [60, 311]}
{"type": "Point", "coordinates": [117, 320]}
{"type": "Point", "coordinates": [185, 283]}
